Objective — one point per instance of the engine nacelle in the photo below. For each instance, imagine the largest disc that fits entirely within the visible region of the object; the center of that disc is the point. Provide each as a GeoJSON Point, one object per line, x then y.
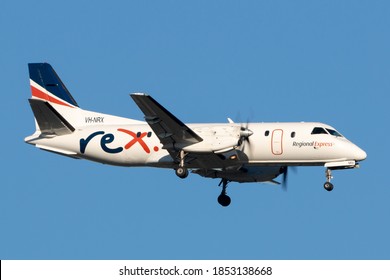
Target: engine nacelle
{"type": "Point", "coordinates": [217, 139]}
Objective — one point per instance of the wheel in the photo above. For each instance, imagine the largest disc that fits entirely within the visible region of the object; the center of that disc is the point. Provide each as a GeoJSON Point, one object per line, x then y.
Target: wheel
{"type": "Point", "coordinates": [328, 186]}
{"type": "Point", "coordinates": [182, 172]}
{"type": "Point", "coordinates": [224, 200]}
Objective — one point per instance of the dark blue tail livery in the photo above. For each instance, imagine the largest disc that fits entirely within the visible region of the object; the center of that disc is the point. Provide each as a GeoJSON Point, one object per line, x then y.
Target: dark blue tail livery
{"type": "Point", "coordinates": [45, 76]}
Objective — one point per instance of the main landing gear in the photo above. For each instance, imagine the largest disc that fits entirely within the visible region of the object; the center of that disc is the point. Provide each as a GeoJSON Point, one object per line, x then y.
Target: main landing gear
{"type": "Point", "coordinates": [223, 198]}
{"type": "Point", "coordinates": [328, 185]}
{"type": "Point", "coordinates": [182, 171]}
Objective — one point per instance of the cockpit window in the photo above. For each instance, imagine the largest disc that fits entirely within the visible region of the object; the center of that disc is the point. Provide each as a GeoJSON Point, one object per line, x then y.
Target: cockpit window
{"type": "Point", "coordinates": [319, 130]}
{"type": "Point", "coordinates": [334, 132]}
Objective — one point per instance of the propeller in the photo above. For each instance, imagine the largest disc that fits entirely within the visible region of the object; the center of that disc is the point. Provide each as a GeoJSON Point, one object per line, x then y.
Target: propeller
{"type": "Point", "coordinates": [284, 171]}
{"type": "Point", "coordinates": [245, 133]}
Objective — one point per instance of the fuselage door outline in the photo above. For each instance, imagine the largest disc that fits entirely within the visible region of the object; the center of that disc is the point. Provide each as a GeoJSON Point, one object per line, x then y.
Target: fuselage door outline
{"type": "Point", "coordinates": [277, 142]}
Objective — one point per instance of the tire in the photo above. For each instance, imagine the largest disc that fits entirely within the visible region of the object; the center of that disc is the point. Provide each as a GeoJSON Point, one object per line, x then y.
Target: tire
{"type": "Point", "coordinates": [182, 172]}
{"type": "Point", "coordinates": [224, 200]}
{"type": "Point", "coordinates": [328, 186]}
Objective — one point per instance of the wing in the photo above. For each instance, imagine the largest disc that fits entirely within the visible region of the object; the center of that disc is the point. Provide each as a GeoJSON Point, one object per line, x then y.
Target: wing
{"type": "Point", "coordinates": [174, 135]}
{"type": "Point", "coordinates": [169, 129]}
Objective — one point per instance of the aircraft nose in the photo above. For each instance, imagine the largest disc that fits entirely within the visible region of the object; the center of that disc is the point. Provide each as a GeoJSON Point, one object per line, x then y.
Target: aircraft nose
{"type": "Point", "coordinates": [360, 154]}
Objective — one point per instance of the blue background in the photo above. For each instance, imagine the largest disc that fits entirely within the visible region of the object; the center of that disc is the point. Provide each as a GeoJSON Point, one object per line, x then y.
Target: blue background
{"type": "Point", "coordinates": [261, 61]}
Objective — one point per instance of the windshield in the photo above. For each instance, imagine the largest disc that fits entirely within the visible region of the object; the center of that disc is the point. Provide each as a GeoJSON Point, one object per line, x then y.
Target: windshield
{"type": "Point", "coordinates": [319, 130]}
{"type": "Point", "coordinates": [334, 132]}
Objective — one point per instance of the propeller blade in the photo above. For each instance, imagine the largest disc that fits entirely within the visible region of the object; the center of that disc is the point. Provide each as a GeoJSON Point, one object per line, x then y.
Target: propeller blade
{"type": "Point", "coordinates": [285, 178]}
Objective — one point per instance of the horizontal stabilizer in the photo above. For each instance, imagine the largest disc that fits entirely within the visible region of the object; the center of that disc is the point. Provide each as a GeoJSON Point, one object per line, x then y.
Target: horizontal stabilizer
{"type": "Point", "coordinates": [50, 122]}
{"type": "Point", "coordinates": [58, 151]}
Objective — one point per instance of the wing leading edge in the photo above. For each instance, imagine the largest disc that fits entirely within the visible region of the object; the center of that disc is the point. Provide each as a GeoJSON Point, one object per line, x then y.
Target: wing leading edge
{"type": "Point", "coordinates": [172, 132]}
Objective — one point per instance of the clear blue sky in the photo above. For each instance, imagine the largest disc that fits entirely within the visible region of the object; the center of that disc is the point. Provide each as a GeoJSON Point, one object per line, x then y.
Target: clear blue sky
{"type": "Point", "coordinates": [326, 61]}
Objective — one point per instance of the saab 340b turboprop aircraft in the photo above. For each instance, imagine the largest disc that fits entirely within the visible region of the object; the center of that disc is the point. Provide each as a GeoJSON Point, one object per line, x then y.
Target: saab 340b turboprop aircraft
{"type": "Point", "coordinates": [254, 152]}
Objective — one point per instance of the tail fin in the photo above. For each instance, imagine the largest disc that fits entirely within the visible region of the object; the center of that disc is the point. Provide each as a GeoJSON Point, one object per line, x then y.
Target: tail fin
{"type": "Point", "coordinates": [48, 91]}
{"type": "Point", "coordinates": [46, 85]}
{"type": "Point", "coordinates": [55, 110]}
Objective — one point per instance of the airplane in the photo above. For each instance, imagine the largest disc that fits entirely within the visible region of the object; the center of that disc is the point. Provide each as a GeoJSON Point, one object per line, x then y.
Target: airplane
{"type": "Point", "coordinates": [231, 152]}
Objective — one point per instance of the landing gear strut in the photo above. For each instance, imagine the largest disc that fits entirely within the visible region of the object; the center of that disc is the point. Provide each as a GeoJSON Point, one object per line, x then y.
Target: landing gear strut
{"type": "Point", "coordinates": [328, 185]}
{"type": "Point", "coordinates": [182, 171]}
{"type": "Point", "coordinates": [223, 198]}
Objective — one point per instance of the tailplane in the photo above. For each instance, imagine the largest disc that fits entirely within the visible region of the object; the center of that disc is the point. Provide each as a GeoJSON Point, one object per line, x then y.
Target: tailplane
{"type": "Point", "coordinates": [48, 120]}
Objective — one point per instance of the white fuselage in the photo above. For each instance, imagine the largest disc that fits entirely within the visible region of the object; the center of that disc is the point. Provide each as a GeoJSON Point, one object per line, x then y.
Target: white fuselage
{"type": "Point", "coordinates": [270, 144]}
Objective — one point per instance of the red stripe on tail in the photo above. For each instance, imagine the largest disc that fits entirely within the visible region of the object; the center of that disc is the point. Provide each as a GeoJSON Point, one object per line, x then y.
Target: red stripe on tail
{"type": "Point", "coordinates": [39, 94]}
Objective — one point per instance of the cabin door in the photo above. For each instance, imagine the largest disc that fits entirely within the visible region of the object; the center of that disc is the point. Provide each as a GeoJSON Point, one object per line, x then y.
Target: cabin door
{"type": "Point", "coordinates": [277, 142]}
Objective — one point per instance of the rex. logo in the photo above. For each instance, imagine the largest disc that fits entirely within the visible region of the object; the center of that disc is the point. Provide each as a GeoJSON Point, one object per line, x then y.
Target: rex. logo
{"type": "Point", "coordinates": [108, 138]}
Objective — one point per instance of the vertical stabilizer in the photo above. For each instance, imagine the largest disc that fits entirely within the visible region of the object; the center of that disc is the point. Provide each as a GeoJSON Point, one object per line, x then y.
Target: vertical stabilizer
{"type": "Point", "coordinates": [46, 85]}
{"type": "Point", "coordinates": [47, 91]}
{"type": "Point", "coordinates": [55, 110]}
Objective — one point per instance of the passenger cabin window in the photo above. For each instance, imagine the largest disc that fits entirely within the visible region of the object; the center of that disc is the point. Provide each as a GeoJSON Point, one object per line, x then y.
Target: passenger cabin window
{"type": "Point", "coordinates": [334, 132]}
{"type": "Point", "coordinates": [266, 133]}
{"type": "Point", "coordinates": [319, 130]}
{"type": "Point", "coordinates": [293, 134]}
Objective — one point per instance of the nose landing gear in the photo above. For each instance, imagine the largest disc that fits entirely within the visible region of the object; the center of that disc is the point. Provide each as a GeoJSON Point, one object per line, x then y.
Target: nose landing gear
{"type": "Point", "coordinates": [328, 185]}
{"type": "Point", "coordinates": [223, 198]}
